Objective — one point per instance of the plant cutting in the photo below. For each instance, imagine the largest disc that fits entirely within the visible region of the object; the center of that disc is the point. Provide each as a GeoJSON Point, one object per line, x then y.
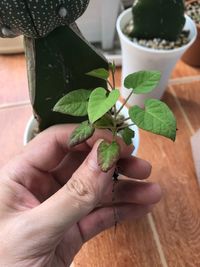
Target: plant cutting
{"type": "Point", "coordinates": [192, 55]}
{"type": "Point", "coordinates": [154, 35]}
{"type": "Point", "coordinates": [99, 105]}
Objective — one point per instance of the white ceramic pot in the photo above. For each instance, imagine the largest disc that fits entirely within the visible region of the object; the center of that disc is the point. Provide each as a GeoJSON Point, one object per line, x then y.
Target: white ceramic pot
{"type": "Point", "coordinates": [98, 22]}
{"type": "Point", "coordinates": [136, 58]}
{"type": "Point", "coordinates": [32, 124]}
{"type": "Point", "coordinates": [29, 130]}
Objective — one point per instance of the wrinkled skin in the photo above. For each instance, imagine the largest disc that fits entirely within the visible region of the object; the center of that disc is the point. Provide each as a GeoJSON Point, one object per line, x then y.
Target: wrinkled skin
{"type": "Point", "coordinates": [37, 18]}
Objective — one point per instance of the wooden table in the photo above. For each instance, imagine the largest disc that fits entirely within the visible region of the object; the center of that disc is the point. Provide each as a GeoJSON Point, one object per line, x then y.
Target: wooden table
{"type": "Point", "coordinates": [170, 236]}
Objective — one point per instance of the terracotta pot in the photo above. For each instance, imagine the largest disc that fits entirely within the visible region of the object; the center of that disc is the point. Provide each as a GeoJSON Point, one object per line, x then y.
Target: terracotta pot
{"type": "Point", "coordinates": [192, 55]}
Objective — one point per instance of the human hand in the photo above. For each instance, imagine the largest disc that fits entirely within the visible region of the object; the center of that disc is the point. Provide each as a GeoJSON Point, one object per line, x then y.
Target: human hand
{"type": "Point", "coordinates": [53, 199]}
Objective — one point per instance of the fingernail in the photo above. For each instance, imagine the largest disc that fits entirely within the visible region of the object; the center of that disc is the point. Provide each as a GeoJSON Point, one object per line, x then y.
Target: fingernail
{"type": "Point", "coordinates": [92, 160]}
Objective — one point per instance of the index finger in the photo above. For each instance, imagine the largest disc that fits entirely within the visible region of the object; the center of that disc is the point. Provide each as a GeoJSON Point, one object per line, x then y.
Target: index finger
{"type": "Point", "coordinates": [50, 147]}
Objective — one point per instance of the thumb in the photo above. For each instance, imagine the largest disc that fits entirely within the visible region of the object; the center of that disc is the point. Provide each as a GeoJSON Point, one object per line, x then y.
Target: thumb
{"type": "Point", "coordinates": [77, 197]}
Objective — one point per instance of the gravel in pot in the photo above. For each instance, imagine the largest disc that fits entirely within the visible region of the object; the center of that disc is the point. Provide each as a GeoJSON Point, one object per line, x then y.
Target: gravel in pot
{"type": "Point", "coordinates": [157, 43]}
{"type": "Point", "coordinates": [193, 11]}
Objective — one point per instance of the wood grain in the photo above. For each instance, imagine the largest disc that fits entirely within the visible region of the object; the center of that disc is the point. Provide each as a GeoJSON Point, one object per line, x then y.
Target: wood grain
{"type": "Point", "coordinates": [131, 245]}
{"type": "Point", "coordinates": [13, 79]}
{"type": "Point", "coordinates": [183, 70]}
{"type": "Point", "coordinates": [189, 97]}
{"type": "Point", "coordinates": [12, 125]}
{"type": "Point", "coordinates": [178, 216]}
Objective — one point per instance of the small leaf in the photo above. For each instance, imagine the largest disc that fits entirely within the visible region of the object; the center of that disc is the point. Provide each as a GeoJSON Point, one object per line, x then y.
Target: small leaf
{"type": "Point", "coordinates": [127, 135]}
{"type": "Point", "coordinates": [108, 155]}
{"type": "Point", "coordinates": [105, 122]}
{"type": "Point", "coordinates": [142, 82]}
{"type": "Point", "coordinates": [101, 102]}
{"type": "Point", "coordinates": [81, 134]}
{"type": "Point", "coordinates": [74, 103]}
{"type": "Point", "coordinates": [112, 66]}
{"type": "Point", "coordinates": [156, 118]}
{"type": "Point", "coordinates": [99, 73]}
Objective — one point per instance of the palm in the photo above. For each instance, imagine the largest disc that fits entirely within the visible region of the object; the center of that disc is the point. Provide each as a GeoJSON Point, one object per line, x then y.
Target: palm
{"type": "Point", "coordinates": [37, 188]}
{"type": "Point", "coordinates": [52, 221]}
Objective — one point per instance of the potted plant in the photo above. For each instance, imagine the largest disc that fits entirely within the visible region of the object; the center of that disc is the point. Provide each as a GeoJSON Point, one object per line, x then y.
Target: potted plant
{"type": "Point", "coordinates": [192, 55]}
{"type": "Point", "coordinates": [98, 22]}
{"type": "Point", "coordinates": [154, 35]}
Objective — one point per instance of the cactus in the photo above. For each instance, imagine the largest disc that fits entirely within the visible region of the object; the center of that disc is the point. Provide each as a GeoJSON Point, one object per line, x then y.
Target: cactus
{"type": "Point", "coordinates": [37, 18]}
{"type": "Point", "coordinates": [57, 55]}
{"type": "Point", "coordinates": [158, 19]}
{"type": "Point", "coordinates": [57, 64]}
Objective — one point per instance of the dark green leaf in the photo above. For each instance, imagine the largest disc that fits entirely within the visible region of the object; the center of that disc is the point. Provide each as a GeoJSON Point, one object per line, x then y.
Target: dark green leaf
{"type": "Point", "coordinates": [75, 103]}
{"type": "Point", "coordinates": [105, 122]}
{"type": "Point", "coordinates": [81, 134]}
{"type": "Point", "coordinates": [142, 82]}
{"type": "Point", "coordinates": [156, 118]}
{"type": "Point", "coordinates": [127, 134]}
{"type": "Point", "coordinates": [99, 73]}
{"type": "Point", "coordinates": [108, 155]}
{"type": "Point", "coordinates": [101, 102]}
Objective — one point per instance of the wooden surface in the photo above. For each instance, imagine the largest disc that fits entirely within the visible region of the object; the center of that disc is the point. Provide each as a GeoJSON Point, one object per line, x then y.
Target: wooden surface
{"type": "Point", "coordinates": [170, 236]}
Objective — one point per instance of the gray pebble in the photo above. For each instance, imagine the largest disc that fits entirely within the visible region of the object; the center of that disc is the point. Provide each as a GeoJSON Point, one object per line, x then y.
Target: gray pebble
{"type": "Point", "coordinates": [157, 43]}
{"type": "Point", "coordinates": [193, 10]}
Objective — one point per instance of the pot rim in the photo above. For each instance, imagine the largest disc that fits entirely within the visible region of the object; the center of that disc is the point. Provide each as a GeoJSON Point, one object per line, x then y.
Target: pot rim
{"type": "Point", "coordinates": [160, 51]}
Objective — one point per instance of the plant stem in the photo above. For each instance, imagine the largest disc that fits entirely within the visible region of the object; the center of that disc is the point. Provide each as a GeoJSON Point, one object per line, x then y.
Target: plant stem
{"type": "Point", "coordinates": [125, 102]}
{"type": "Point", "coordinates": [113, 78]}
{"type": "Point", "coordinates": [126, 119]}
{"type": "Point", "coordinates": [109, 83]}
{"type": "Point", "coordinates": [115, 181]}
{"type": "Point", "coordinates": [125, 126]}
{"type": "Point", "coordinates": [115, 108]}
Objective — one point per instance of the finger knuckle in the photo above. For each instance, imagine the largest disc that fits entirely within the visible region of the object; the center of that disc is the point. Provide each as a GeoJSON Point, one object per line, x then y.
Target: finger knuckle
{"type": "Point", "coordinates": [80, 189]}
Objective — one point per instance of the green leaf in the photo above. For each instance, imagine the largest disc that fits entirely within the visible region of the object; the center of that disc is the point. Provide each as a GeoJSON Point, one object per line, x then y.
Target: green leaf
{"type": "Point", "coordinates": [75, 103]}
{"type": "Point", "coordinates": [101, 102]}
{"type": "Point", "coordinates": [99, 73]}
{"type": "Point", "coordinates": [108, 155]}
{"type": "Point", "coordinates": [105, 122]}
{"type": "Point", "coordinates": [81, 133]}
{"type": "Point", "coordinates": [142, 82]}
{"type": "Point", "coordinates": [156, 118]}
{"type": "Point", "coordinates": [127, 135]}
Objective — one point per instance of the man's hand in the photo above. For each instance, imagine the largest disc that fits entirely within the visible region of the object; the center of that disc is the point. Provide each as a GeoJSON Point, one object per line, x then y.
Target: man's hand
{"type": "Point", "coordinates": [53, 199]}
